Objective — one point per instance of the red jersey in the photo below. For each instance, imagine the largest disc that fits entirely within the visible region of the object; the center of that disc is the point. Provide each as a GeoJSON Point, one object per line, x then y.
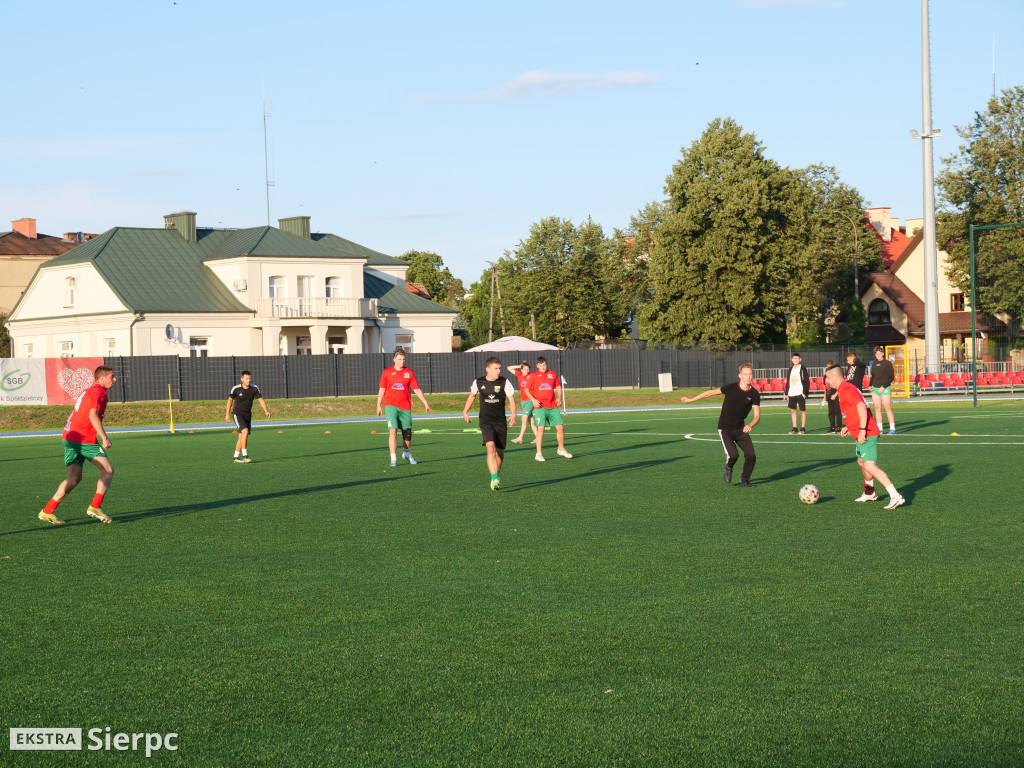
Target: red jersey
{"type": "Point", "coordinates": [79, 428]}
{"type": "Point", "coordinates": [849, 396]}
{"type": "Point", "coordinates": [398, 387]}
{"type": "Point", "coordinates": [521, 382]}
{"type": "Point", "coordinates": [541, 386]}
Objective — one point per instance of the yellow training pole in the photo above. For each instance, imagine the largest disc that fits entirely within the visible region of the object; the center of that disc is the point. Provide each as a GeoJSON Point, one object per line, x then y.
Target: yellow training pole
{"type": "Point", "coordinates": [170, 408]}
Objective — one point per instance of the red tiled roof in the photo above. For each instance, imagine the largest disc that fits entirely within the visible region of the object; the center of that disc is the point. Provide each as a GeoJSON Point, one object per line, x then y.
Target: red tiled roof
{"type": "Point", "coordinates": [418, 288]}
{"type": "Point", "coordinates": [892, 250]}
{"type": "Point", "coordinates": [16, 244]}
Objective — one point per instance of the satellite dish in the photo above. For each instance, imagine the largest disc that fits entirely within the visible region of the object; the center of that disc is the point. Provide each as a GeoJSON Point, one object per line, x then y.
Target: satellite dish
{"type": "Point", "coordinates": [169, 330]}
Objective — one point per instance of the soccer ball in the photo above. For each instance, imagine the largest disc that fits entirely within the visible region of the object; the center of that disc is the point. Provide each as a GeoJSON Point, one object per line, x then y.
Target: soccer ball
{"type": "Point", "coordinates": [808, 494]}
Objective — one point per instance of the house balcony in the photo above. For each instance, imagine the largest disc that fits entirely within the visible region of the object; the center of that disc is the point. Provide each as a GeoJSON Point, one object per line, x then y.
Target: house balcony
{"type": "Point", "coordinates": [318, 307]}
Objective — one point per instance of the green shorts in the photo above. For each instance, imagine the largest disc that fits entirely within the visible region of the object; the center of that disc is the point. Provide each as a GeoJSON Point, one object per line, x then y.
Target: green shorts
{"type": "Point", "coordinates": [397, 418]}
{"type": "Point", "coordinates": [869, 450]}
{"type": "Point", "coordinates": [547, 417]}
{"type": "Point", "coordinates": [79, 453]}
{"type": "Point", "coordinates": [881, 391]}
{"type": "Point", "coordinates": [527, 407]}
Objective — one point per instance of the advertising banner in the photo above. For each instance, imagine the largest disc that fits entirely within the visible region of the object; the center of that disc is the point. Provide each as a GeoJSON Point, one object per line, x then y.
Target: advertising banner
{"type": "Point", "coordinates": [22, 381]}
{"type": "Point", "coordinates": [49, 381]}
{"type": "Point", "coordinates": [68, 377]}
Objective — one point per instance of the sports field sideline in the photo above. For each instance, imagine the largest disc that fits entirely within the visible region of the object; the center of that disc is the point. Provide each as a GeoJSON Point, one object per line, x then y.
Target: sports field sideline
{"type": "Point", "coordinates": [625, 607]}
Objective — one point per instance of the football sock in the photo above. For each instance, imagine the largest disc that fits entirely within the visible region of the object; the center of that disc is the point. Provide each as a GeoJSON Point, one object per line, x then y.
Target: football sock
{"type": "Point", "coordinates": [236, 454]}
{"type": "Point", "coordinates": [494, 476]}
{"type": "Point", "coordinates": [97, 500]}
{"type": "Point", "coordinates": [51, 505]}
{"type": "Point", "coordinates": [245, 452]}
{"type": "Point", "coordinates": [891, 490]}
{"type": "Point", "coordinates": [869, 486]}
{"type": "Point", "coordinates": [394, 457]}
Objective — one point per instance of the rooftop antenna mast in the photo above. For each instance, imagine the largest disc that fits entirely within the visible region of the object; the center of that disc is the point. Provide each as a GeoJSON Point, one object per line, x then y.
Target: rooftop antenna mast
{"type": "Point", "coordinates": [266, 157]}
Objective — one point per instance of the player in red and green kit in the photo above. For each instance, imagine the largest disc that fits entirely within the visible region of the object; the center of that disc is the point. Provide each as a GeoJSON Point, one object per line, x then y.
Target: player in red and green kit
{"type": "Point", "coordinates": [394, 398]}
{"type": "Point", "coordinates": [543, 389]}
{"type": "Point", "coordinates": [861, 426]}
{"type": "Point", "coordinates": [85, 439]}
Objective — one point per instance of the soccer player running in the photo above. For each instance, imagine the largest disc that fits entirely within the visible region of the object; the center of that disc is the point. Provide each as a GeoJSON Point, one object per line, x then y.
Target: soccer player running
{"type": "Point", "coordinates": [545, 393]}
{"type": "Point", "coordinates": [495, 391]}
{"type": "Point", "coordinates": [394, 398]}
{"type": "Point", "coordinates": [84, 438]}
{"type": "Point", "coordinates": [859, 423]}
{"type": "Point", "coordinates": [740, 397]}
{"type": "Point", "coordinates": [882, 377]}
{"type": "Point", "coordinates": [240, 399]}
{"type": "Point", "coordinates": [521, 371]}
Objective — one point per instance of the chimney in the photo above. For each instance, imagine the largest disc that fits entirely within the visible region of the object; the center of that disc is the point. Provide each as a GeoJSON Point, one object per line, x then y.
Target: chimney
{"type": "Point", "coordinates": [295, 225]}
{"type": "Point", "coordinates": [26, 227]}
{"type": "Point", "coordinates": [184, 222]}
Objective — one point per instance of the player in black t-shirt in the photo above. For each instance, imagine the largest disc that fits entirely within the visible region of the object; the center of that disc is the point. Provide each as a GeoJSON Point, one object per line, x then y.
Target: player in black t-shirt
{"type": "Point", "coordinates": [241, 397]}
{"type": "Point", "coordinates": [495, 393]}
{"type": "Point", "coordinates": [740, 398]}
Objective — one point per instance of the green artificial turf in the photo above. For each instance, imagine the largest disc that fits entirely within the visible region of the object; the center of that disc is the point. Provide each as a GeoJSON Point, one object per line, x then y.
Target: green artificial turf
{"type": "Point", "coordinates": [625, 608]}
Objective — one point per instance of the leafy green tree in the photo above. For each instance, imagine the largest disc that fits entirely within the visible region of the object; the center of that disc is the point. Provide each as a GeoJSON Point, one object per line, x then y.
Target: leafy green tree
{"type": "Point", "coordinates": [715, 268]}
{"type": "Point", "coordinates": [476, 310]}
{"type": "Point", "coordinates": [428, 269]}
{"type": "Point", "coordinates": [982, 183]}
{"type": "Point", "coordinates": [826, 231]}
{"type": "Point", "coordinates": [560, 279]}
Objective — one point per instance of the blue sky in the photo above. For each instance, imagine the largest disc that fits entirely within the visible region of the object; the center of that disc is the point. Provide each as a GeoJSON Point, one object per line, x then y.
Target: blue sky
{"type": "Point", "coordinates": [452, 127]}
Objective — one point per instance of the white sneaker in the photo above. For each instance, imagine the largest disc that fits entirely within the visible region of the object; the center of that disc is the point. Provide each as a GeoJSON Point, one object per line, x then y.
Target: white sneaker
{"type": "Point", "coordinates": [895, 501]}
{"type": "Point", "coordinates": [539, 457]}
{"type": "Point", "coordinates": [564, 453]}
{"type": "Point", "coordinates": [867, 497]}
{"type": "Point", "coordinates": [517, 440]}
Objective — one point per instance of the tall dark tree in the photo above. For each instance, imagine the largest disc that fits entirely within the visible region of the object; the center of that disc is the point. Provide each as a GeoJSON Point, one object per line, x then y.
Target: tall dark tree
{"type": "Point", "coordinates": [982, 183]}
{"type": "Point", "coordinates": [5, 337]}
{"type": "Point", "coordinates": [714, 274]}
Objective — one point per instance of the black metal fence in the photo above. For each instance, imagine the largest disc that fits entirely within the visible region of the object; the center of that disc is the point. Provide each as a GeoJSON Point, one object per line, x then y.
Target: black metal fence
{"type": "Point", "coordinates": [211, 378]}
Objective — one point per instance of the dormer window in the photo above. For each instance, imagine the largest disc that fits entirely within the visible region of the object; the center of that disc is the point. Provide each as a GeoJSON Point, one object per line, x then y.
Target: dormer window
{"type": "Point", "coordinates": [878, 313]}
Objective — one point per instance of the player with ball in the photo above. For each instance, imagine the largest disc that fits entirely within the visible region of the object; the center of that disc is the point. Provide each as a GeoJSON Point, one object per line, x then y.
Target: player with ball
{"type": "Point", "coordinates": [860, 424]}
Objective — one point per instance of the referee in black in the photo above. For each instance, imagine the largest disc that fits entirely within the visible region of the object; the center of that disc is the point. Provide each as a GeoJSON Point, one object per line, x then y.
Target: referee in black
{"type": "Point", "coordinates": [495, 393]}
{"type": "Point", "coordinates": [240, 401]}
{"type": "Point", "coordinates": [740, 399]}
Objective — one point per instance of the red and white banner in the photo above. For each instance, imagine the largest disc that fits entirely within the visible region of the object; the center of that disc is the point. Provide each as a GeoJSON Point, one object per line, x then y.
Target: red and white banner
{"type": "Point", "coordinates": [49, 381]}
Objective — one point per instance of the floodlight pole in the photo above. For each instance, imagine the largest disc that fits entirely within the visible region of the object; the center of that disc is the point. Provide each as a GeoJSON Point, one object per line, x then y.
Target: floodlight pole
{"type": "Point", "coordinates": [932, 338]}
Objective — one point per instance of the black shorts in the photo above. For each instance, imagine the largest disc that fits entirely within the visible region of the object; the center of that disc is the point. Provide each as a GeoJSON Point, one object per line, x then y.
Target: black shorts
{"type": "Point", "coordinates": [243, 421]}
{"type": "Point", "coordinates": [798, 402]}
{"type": "Point", "coordinates": [494, 433]}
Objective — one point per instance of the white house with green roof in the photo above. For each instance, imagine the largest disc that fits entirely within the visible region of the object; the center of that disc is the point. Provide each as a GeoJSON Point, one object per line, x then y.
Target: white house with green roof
{"type": "Point", "coordinates": [190, 291]}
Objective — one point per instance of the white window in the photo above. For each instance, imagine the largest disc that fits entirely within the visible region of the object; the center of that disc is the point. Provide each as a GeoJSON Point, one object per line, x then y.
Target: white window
{"type": "Point", "coordinates": [27, 350]}
{"type": "Point", "coordinates": [110, 348]}
{"type": "Point", "coordinates": [67, 348]}
{"type": "Point", "coordinates": [333, 288]}
{"type": "Point", "coordinates": [304, 291]}
{"type": "Point", "coordinates": [405, 340]}
{"type": "Point", "coordinates": [69, 292]}
{"type": "Point", "coordinates": [198, 346]}
{"type": "Point", "coordinates": [276, 287]}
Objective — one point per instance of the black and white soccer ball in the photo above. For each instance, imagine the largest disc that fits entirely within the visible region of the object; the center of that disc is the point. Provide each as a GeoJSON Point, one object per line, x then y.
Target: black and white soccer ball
{"type": "Point", "coordinates": [809, 494]}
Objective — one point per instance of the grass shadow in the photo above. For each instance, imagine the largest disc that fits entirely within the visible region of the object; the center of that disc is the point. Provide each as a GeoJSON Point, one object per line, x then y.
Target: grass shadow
{"type": "Point", "coordinates": [181, 509]}
{"type": "Point", "coordinates": [596, 472]}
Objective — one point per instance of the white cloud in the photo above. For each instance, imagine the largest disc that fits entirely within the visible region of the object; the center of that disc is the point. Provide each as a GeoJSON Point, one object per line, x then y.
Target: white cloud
{"type": "Point", "coordinates": [538, 82]}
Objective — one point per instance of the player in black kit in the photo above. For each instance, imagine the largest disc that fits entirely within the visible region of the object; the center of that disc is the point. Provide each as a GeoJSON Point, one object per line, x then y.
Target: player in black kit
{"type": "Point", "coordinates": [740, 398]}
{"type": "Point", "coordinates": [241, 397]}
{"type": "Point", "coordinates": [495, 393]}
